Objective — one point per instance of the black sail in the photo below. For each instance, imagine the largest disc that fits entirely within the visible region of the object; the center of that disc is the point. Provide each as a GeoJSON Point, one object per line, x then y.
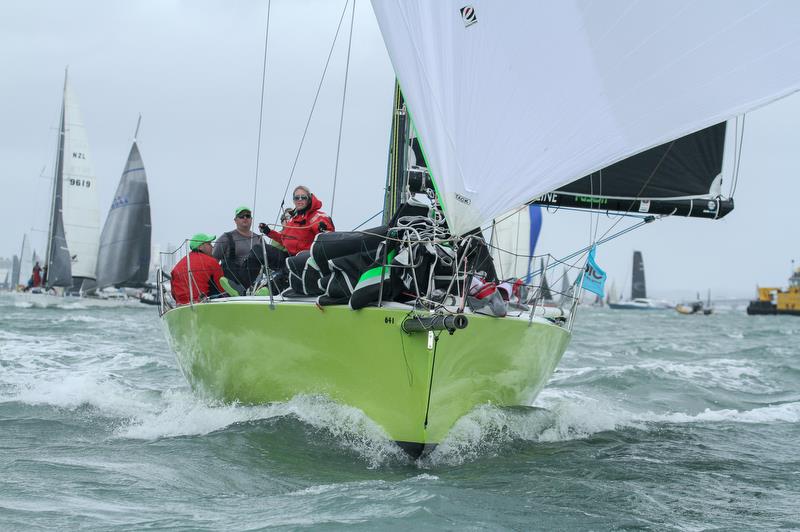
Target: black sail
{"type": "Point", "coordinates": [638, 287]}
{"type": "Point", "coordinates": [678, 178]}
{"type": "Point", "coordinates": [58, 259]}
{"type": "Point", "coordinates": [124, 254]}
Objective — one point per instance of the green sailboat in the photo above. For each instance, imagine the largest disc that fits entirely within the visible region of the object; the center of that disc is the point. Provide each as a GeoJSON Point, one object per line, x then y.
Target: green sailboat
{"type": "Point", "coordinates": [494, 129]}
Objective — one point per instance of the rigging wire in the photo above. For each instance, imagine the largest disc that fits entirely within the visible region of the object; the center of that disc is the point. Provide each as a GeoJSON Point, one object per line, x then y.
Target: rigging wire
{"type": "Point", "coordinates": [311, 113]}
{"type": "Point", "coordinates": [737, 164]}
{"type": "Point", "coordinates": [644, 185]}
{"type": "Point", "coordinates": [368, 220]}
{"type": "Point", "coordinates": [261, 109]}
{"type": "Point", "coordinates": [341, 116]}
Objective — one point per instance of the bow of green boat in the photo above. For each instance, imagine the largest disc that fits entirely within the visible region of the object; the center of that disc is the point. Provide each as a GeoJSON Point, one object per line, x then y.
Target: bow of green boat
{"type": "Point", "coordinates": [415, 385]}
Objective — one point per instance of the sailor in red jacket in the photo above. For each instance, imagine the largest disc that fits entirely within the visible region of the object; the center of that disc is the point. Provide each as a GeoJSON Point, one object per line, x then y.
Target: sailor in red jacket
{"type": "Point", "coordinates": [305, 222]}
{"type": "Point", "coordinates": [206, 272]}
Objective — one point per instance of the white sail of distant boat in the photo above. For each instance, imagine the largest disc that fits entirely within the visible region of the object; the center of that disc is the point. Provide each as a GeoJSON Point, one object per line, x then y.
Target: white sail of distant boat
{"type": "Point", "coordinates": [513, 242]}
{"type": "Point", "coordinates": [612, 293]}
{"type": "Point", "coordinates": [15, 270]}
{"type": "Point", "coordinates": [124, 255]}
{"type": "Point", "coordinates": [74, 233]}
{"type": "Point", "coordinates": [25, 266]}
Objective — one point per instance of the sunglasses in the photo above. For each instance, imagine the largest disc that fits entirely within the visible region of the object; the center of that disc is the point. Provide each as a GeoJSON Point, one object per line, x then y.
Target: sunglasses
{"type": "Point", "coordinates": [244, 216]}
{"type": "Point", "coordinates": [299, 198]}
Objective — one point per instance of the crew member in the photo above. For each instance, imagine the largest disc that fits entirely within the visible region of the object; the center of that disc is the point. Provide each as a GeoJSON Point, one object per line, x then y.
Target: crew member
{"type": "Point", "coordinates": [301, 226]}
{"type": "Point", "coordinates": [240, 251]}
{"type": "Point", "coordinates": [200, 268]}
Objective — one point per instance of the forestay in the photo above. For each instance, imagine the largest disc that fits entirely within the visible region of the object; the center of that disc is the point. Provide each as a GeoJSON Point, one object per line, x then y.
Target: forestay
{"type": "Point", "coordinates": [514, 99]}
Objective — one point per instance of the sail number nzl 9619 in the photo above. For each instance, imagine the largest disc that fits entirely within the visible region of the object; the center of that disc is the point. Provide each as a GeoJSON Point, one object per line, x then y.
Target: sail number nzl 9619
{"type": "Point", "coordinates": [86, 183]}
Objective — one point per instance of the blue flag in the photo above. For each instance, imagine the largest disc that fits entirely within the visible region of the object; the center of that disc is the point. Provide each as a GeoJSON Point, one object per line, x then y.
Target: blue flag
{"type": "Point", "coordinates": [594, 279]}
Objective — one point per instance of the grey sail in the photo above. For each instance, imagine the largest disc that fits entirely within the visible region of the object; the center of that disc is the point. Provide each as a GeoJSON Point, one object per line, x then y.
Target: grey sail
{"type": "Point", "coordinates": [545, 292]}
{"type": "Point", "coordinates": [15, 265]}
{"type": "Point", "coordinates": [638, 289]}
{"type": "Point", "coordinates": [566, 288]}
{"type": "Point", "coordinates": [124, 255]}
{"type": "Point", "coordinates": [58, 260]}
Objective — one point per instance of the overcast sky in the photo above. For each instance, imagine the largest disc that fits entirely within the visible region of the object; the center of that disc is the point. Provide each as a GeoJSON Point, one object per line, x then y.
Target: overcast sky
{"type": "Point", "coordinates": [193, 69]}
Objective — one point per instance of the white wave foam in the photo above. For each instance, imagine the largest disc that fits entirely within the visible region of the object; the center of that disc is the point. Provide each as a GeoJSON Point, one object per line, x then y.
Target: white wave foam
{"type": "Point", "coordinates": [185, 414]}
{"type": "Point", "coordinates": [559, 416]}
{"type": "Point", "coordinates": [568, 415]}
{"type": "Point", "coordinates": [72, 389]}
{"type": "Point", "coordinates": [81, 318]}
{"type": "Point", "coordinates": [729, 374]}
{"type": "Point", "coordinates": [782, 413]}
{"type": "Point", "coordinates": [71, 306]}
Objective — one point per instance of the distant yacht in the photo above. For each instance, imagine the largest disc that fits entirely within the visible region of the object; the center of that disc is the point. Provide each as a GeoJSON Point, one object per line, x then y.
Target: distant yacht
{"type": "Point", "coordinates": [696, 307]}
{"type": "Point", "coordinates": [639, 299]}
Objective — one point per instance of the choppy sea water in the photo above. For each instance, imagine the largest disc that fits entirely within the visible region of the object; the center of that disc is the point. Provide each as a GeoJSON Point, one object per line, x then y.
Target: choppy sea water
{"type": "Point", "coordinates": [653, 421]}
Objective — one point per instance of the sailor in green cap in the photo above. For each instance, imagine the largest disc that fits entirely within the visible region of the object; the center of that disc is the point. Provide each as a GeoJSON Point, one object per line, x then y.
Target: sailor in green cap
{"type": "Point", "coordinates": [240, 251]}
{"type": "Point", "coordinates": [205, 272]}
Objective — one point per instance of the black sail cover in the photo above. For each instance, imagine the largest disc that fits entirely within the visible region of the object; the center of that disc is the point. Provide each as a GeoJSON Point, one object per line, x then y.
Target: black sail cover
{"type": "Point", "coordinates": [673, 178]}
{"type": "Point", "coordinates": [124, 255]}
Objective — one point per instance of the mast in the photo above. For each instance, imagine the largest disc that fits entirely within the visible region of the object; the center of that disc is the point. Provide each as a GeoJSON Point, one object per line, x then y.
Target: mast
{"type": "Point", "coordinates": [56, 197]}
{"type": "Point", "coordinates": [396, 167]}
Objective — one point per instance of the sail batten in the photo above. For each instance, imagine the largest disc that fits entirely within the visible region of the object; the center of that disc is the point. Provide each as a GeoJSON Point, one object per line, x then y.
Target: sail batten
{"type": "Point", "coordinates": [515, 99]}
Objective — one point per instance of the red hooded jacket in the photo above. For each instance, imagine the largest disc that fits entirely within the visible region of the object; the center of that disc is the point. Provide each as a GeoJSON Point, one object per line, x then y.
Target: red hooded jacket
{"type": "Point", "coordinates": [206, 272]}
{"type": "Point", "coordinates": [299, 231]}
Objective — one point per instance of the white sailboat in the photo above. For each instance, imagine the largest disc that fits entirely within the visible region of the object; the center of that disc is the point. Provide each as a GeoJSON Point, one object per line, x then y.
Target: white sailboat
{"type": "Point", "coordinates": [596, 84]}
{"type": "Point", "coordinates": [74, 222]}
{"type": "Point", "coordinates": [77, 187]}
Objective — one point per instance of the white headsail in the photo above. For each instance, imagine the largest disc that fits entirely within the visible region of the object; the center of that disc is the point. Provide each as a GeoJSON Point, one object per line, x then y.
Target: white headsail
{"type": "Point", "coordinates": [513, 99]}
{"type": "Point", "coordinates": [80, 208]}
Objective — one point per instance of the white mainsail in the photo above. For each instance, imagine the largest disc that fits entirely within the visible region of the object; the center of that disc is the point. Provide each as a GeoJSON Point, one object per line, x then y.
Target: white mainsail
{"type": "Point", "coordinates": [80, 207]}
{"type": "Point", "coordinates": [25, 264]}
{"type": "Point", "coordinates": [513, 99]}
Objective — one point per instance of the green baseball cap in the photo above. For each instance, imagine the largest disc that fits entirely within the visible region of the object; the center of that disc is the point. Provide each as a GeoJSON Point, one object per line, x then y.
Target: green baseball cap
{"type": "Point", "coordinates": [199, 239]}
{"type": "Point", "coordinates": [242, 208]}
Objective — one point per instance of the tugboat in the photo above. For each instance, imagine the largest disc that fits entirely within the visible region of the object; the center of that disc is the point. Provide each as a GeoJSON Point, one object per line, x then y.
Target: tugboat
{"type": "Point", "coordinates": [776, 301]}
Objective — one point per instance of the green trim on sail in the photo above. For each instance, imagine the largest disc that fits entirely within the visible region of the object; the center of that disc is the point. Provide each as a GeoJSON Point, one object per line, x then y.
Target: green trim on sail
{"type": "Point", "coordinates": [424, 155]}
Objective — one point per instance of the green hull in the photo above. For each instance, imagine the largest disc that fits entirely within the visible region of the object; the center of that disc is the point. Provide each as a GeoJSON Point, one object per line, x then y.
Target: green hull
{"type": "Point", "coordinates": [242, 350]}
